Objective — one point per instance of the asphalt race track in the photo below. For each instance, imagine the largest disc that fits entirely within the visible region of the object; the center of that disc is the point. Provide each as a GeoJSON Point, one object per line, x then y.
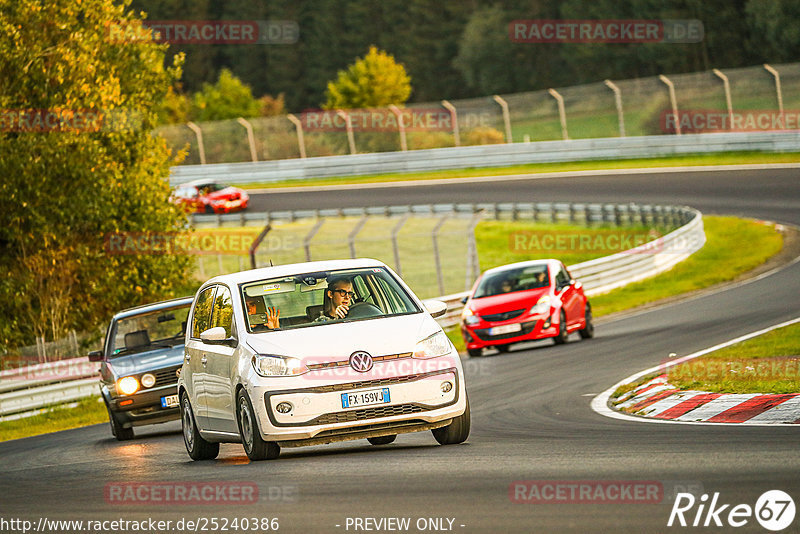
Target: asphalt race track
{"type": "Point", "coordinates": [531, 418]}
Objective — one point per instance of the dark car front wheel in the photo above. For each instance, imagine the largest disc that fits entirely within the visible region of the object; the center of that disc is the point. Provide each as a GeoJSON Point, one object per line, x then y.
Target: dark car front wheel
{"type": "Point", "coordinates": [117, 430]}
{"type": "Point", "coordinates": [197, 447]}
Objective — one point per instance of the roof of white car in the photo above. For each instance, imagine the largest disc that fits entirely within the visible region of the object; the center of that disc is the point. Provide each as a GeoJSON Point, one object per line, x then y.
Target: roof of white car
{"type": "Point", "coordinates": [293, 269]}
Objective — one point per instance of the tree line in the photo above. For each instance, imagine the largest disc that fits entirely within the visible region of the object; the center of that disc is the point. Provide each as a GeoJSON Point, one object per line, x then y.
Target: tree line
{"type": "Point", "coordinates": [461, 48]}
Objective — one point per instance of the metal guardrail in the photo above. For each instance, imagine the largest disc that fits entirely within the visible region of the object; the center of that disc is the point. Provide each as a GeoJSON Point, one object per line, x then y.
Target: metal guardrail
{"type": "Point", "coordinates": [29, 388]}
{"type": "Point", "coordinates": [25, 400]}
{"type": "Point", "coordinates": [572, 212]}
{"type": "Point", "coordinates": [489, 156]}
{"type": "Point", "coordinates": [32, 387]}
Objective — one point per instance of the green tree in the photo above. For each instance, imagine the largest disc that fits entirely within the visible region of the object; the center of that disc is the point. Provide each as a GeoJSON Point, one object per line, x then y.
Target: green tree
{"type": "Point", "coordinates": [67, 185]}
{"type": "Point", "coordinates": [778, 24]}
{"type": "Point", "coordinates": [229, 98]}
{"type": "Point", "coordinates": [174, 108]}
{"type": "Point", "coordinates": [375, 80]}
{"type": "Point", "coordinates": [483, 51]}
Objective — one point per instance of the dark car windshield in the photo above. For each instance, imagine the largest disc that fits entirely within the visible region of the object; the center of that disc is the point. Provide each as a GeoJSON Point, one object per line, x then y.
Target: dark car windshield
{"type": "Point", "coordinates": [146, 331]}
{"type": "Point", "coordinates": [302, 298]}
{"type": "Point", "coordinates": [512, 280]}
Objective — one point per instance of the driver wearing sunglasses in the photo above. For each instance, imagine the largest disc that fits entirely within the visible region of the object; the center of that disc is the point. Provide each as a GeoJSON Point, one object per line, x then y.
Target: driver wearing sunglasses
{"type": "Point", "coordinates": [338, 298]}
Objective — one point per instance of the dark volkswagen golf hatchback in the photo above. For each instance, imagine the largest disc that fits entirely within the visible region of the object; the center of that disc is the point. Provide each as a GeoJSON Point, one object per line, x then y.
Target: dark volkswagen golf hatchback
{"type": "Point", "coordinates": [140, 362]}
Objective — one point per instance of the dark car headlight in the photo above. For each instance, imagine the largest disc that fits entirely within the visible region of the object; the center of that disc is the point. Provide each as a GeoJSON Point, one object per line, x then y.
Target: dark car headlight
{"type": "Point", "coordinates": [127, 385]}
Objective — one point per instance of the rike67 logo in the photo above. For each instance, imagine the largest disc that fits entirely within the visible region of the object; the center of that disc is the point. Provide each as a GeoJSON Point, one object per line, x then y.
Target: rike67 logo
{"type": "Point", "coordinates": [774, 510]}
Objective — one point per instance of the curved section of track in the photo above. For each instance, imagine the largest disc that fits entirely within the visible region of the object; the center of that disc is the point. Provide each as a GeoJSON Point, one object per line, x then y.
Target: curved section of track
{"type": "Point", "coordinates": [530, 408]}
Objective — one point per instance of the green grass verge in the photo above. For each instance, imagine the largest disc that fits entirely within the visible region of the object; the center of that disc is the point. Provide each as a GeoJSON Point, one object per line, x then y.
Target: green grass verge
{"type": "Point", "coordinates": [733, 247]}
{"type": "Point", "coordinates": [89, 411]}
{"type": "Point", "coordinates": [727, 158]}
{"type": "Point", "coordinates": [769, 363]}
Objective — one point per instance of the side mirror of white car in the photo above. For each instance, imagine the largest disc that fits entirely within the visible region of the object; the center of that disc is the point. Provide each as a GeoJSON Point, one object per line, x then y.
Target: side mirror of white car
{"type": "Point", "coordinates": [215, 336]}
{"type": "Point", "coordinates": [436, 308]}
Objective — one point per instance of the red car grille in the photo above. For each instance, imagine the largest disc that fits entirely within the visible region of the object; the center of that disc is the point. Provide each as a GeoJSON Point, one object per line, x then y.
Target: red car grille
{"type": "Point", "coordinates": [505, 316]}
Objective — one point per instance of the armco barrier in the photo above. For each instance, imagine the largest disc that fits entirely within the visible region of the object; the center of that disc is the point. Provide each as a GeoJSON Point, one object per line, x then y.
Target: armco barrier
{"type": "Point", "coordinates": [489, 156]}
{"type": "Point", "coordinates": [26, 389]}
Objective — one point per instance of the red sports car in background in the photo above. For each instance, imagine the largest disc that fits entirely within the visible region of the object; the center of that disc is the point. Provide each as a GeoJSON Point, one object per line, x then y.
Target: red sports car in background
{"type": "Point", "coordinates": [204, 196]}
{"type": "Point", "coordinates": [524, 301]}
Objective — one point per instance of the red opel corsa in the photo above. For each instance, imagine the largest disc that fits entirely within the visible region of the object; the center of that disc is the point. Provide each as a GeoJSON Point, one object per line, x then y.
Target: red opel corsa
{"type": "Point", "coordinates": [524, 301]}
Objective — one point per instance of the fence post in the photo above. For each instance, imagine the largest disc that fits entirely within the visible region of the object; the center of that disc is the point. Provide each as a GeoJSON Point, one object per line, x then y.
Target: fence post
{"type": "Point", "coordinates": [395, 248]}
{"type": "Point", "coordinates": [562, 114]}
{"type": "Point", "coordinates": [473, 265]}
{"type": "Point", "coordinates": [618, 102]}
{"type": "Point", "coordinates": [73, 338]}
{"type": "Point", "coordinates": [351, 140]}
{"type": "Point", "coordinates": [506, 117]}
{"type": "Point", "coordinates": [351, 238]}
{"type": "Point", "coordinates": [41, 349]}
{"type": "Point", "coordinates": [436, 258]}
{"type": "Point", "coordinates": [453, 117]}
{"type": "Point", "coordinates": [727, 87]}
{"type": "Point", "coordinates": [254, 246]}
{"type": "Point", "coordinates": [251, 140]}
{"type": "Point", "coordinates": [778, 91]}
{"type": "Point", "coordinates": [673, 101]}
{"type": "Point", "coordinates": [310, 236]}
{"type": "Point", "coordinates": [200, 146]}
{"type": "Point", "coordinates": [301, 143]}
{"type": "Point", "coordinates": [401, 127]}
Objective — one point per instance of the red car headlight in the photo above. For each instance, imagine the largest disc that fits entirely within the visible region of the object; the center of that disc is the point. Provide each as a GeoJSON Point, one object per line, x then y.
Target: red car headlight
{"type": "Point", "coordinates": [469, 317]}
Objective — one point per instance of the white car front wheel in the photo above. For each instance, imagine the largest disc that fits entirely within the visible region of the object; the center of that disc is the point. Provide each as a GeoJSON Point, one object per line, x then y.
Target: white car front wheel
{"type": "Point", "coordinates": [254, 446]}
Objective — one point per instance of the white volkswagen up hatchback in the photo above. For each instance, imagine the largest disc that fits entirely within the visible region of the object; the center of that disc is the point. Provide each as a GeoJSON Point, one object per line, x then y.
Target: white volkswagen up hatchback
{"type": "Point", "coordinates": [314, 353]}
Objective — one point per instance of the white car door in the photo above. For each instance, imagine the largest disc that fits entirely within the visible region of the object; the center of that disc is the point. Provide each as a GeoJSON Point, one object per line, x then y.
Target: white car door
{"type": "Point", "coordinates": [220, 365]}
{"type": "Point", "coordinates": [195, 370]}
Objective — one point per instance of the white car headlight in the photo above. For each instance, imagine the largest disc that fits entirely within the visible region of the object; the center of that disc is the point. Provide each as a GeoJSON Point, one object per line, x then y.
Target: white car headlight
{"type": "Point", "coordinates": [469, 317]}
{"type": "Point", "coordinates": [542, 307]}
{"type": "Point", "coordinates": [269, 365]}
{"type": "Point", "coordinates": [433, 346]}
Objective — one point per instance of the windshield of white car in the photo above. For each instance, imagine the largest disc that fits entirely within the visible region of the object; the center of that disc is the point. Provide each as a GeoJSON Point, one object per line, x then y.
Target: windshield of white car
{"type": "Point", "coordinates": [513, 280]}
{"type": "Point", "coordinates": [302, 300]}
{"type": "Point", "coordinates": [147, 331]}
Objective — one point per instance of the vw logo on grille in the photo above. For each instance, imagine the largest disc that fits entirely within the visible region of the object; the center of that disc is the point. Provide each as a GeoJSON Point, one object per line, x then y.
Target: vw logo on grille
{"type": "Point", "coordinates": [361, 361]}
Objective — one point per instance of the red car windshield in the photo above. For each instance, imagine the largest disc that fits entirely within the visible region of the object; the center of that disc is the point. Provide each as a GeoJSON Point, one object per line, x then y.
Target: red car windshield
{"type": "Point", "coordinates": [512, 280]}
